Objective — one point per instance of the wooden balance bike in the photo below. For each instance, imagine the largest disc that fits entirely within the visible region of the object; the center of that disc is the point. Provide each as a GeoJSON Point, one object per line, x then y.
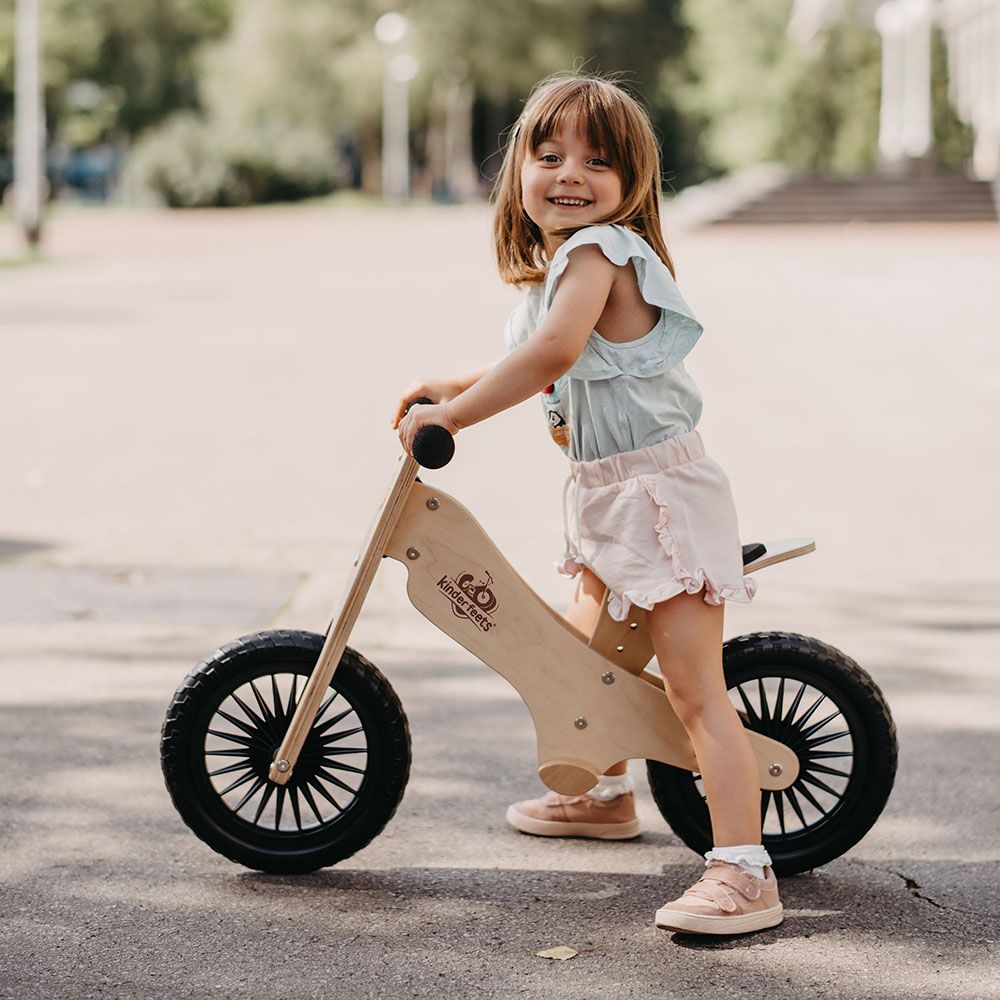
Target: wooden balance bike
{"type": "Point", "coordinates": [288, 751]}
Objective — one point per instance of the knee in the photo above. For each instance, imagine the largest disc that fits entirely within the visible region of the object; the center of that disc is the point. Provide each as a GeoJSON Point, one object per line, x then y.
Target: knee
{"type": "Point", "coordinates": [692, 699]}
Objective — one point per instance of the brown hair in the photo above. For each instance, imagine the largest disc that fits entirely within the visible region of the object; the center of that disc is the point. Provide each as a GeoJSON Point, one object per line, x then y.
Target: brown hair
{"type": "Point", "coordinates": [613, 122]}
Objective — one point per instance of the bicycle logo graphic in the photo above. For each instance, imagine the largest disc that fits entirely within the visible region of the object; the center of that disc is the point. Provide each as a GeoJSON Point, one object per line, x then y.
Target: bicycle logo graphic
{"type": "Point", "coordinates": [470, 599]}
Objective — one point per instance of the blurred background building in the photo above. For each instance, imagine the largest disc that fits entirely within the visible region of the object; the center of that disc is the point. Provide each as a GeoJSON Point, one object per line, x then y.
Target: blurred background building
{"type": "Point", "coordinates": [864, 109]}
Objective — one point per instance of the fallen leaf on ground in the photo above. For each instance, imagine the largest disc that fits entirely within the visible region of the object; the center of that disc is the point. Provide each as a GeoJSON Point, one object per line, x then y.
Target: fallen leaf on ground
{"type": "Point", "coordinates": [560, 952]}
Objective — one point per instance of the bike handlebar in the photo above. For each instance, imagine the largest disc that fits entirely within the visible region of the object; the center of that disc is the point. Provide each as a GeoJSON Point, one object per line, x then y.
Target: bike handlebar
{"type": "Point", "coordinates": [433, 446]}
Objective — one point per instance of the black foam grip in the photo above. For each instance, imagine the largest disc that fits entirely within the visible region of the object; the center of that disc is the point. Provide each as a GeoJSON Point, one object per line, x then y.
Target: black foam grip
{"type": "Point", "coordinates": [433, 446]}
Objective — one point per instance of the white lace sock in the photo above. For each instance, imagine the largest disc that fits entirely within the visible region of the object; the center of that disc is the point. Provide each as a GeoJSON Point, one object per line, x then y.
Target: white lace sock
{"type": "Point", "coordinates": [750, 857]}
{"type": "Point", "coordinates": [610, 786]}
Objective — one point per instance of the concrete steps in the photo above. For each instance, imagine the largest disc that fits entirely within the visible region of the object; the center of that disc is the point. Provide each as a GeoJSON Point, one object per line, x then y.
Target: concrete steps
{"type": "Point", "coordinates": [923, 198]}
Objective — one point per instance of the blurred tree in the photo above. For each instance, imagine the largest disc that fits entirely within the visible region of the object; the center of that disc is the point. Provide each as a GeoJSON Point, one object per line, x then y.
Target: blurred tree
{"type": "Point", "coordinates": [136, 60]}
{"type": "Point", "coordinates": [953, 139]}
{"type": "Point", "coordinates": [828, 119]}
{"type": "Point", "coordinates": [277, 93]}
{"type": "Point", "coordinates": [486, 60]}
{"type": "Point", "coordinates": [742, 65]}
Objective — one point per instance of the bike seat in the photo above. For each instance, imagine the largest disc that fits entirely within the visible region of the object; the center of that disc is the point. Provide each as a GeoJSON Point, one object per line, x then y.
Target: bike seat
{"type": "Point", "coordinates": [757, 555]}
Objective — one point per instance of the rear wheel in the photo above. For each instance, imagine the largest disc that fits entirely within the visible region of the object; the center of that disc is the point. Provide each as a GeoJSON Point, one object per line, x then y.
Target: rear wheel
{"type": "Point", "coordinates": [225, 724]}
{"type": "Point", "coordinates": [829, 711]}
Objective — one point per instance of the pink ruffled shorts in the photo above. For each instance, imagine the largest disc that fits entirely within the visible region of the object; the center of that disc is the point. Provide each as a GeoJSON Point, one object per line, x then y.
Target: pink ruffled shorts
{"type": "Point", "coordinates": [653, 523]}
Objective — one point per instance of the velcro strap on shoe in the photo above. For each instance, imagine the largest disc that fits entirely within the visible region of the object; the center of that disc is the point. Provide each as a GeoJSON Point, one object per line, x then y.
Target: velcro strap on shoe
{"type": "Point", "coordinates": [743, 883]}
{"type": "Point", "coordinates": [713, 893]}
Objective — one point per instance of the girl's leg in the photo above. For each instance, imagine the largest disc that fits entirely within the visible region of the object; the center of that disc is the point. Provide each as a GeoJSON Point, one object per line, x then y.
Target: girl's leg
{"type": "Point", "coordinates": [728, 898]}
{"type": "Point", "coordinates": [687, 639]}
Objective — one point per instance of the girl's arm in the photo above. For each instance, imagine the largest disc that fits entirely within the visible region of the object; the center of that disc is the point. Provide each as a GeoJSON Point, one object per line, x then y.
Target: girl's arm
{"type": "Point", "coordinates": [441, 390]}
{"type": "Point", "coordinates": [551, 350]}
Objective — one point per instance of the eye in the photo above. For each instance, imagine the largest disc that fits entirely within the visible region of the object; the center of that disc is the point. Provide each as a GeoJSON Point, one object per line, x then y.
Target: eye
{"type": "Point", "coordinates": [599, 161]}
{"type": "Point", "coordinates": [549, 158]}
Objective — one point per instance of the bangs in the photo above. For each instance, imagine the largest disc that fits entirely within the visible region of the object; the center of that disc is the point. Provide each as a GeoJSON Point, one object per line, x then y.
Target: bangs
{"type": "Point", "coordinates": [584, 110]}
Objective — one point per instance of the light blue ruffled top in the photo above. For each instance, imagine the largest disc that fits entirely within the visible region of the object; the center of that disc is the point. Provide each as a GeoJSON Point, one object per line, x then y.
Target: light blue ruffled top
{"type": "Point", "coordinates": [618, 397]}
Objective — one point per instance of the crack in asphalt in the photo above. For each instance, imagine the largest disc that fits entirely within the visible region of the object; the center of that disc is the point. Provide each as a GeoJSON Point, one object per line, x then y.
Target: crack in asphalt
{"type": "Point", "coordinates": [912, 887]}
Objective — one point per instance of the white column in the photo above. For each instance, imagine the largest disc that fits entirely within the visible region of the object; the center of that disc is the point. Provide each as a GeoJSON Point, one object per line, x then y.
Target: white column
{"type": "Point", "coordinates": [889, 21]}
{"type": "Point", "coordinates": [29, 122]}
{"type": "Point", "coordinates": [917, 135]}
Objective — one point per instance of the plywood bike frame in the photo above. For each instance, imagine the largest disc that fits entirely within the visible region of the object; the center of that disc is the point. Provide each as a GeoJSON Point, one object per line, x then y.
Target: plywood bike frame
{"type": "Point", "coordinates": [592, 700]}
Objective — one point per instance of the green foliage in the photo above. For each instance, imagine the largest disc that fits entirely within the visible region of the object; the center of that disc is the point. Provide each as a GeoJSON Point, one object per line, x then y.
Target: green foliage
{"type": "Point", "coordinates": [741, 69]}
{"type": "Point", "coordinates": [829, 117]}
{"type": "Point", "coordinates": [139, 53]}
{"type": "Point", "coordinates": [189, 162]}
{"type": "Point", "coordinates": [953, 140]}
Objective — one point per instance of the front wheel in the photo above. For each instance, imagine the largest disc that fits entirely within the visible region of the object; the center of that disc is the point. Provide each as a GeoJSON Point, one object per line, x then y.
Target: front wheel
{"type": "Point", "coordinates": [829, 711]}
{"type": "Point", "coordinates": [225, 724]}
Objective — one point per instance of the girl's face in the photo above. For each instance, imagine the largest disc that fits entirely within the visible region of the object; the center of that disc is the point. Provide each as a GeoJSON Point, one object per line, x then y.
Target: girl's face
{"type": "Point", "coordinates": [565, 182]}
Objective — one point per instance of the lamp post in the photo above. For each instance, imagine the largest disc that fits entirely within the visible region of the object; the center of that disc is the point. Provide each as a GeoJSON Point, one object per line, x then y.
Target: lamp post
{"type": "Point", "coordinates": [400, 69]}
{"type": "Point", "coordinates": [29, 123]}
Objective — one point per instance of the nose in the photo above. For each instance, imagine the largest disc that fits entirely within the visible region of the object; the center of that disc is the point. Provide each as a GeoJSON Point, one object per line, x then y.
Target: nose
{"type": "Point", "coordinates": [570, 173]}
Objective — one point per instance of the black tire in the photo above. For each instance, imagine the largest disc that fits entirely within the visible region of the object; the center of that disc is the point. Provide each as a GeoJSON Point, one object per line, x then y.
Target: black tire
{"type": "Point", "coordinates": [235, 705]}
{"type": "Point", "coordinates": [763, 672]}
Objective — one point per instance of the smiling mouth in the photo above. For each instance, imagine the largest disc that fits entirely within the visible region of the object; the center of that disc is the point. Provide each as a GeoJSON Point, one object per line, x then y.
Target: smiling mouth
{"type": "Point", "coordinates": [569, 202]}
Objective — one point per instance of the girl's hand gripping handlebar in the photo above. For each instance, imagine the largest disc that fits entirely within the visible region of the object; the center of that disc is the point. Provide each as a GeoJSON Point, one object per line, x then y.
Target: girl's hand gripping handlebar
{"type": "Point", "coordinates": [427, 434]}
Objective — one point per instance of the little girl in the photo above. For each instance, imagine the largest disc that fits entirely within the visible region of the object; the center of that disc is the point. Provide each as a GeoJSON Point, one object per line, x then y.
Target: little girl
{"type": "Point", "coordinates": [602, 334]}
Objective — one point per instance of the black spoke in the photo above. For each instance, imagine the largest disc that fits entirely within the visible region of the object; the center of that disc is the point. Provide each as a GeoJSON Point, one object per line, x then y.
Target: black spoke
{"type": "Point", "coordinates": [829, 738]}
{"type": "Point", "coordinates": [814, 754]}
{"type": "Point", "coordinates": [790, 792]}
{"type": "Point", "coordinates": [817, 726]}
{"type": "Point", "coordinates": [265, 798]}
{"type": "Point", "coordinates": [806, 776]}
{"type": "Point", "coordinates": [261, 704]}
{"type": "Point", "coordinates": [342, 767]}
{"type": "Point", "coordinates": [245, 740]}
{"type": "Point", "coordinates": [238, 782]}
{"type": "Point", "coordinates": [809, 795]}
{"type": "Point", "coordinates": [823, 769]}
{"type": "Point", "coordinates": [293, 797]}
{"type": "Point", "coordinates": [250, 713]}
{"type": "Point", "coordinates": [789, 718]}
{"type": "Point", "coordinates": [307, 795]}
{"type": "Point", "coordinates": [319, 730]}
{"type": "Point", "coordinates": [751, 714]}
{"type": "Point", "coordinates": [278, 803]}
{"type": "Point", "coordinates": [765, 801]}
{"type": "Point", "coordinates": [778, 714]}
{"type": "Point", "coordinates": [254, 788]}
{"type": "Point", "coordinates": [227, 753]}
{"type": "Point", "coordinates": [333, 779]}
{"type": "Point", "coordinates": [779, 804]}
{"type": "Point", "coordinates": [279, 710]}
{"type": "Point", "coordinates": [240, 766]}
{"type": "Point", "coordinates": [343, 735]}
{"type": "Point", "coordinates": [313, 783]}
{"type": "Point", "coordinates": [765, 715]}
{"type": "Point", "coordinates": [342, 750]}
{"type": "Point", "coordinates": [799, 723]}
{"type": "Point", "coordinates": [246, 727]}
{"type": "Point", "coordinates": [326, 704]}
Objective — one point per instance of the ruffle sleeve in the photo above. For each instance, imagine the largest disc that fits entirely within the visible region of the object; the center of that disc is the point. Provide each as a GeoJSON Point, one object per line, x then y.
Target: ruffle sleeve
{"type": "Point", "coordinates": [523, 319]}
{"type": "Point", "coordinates": [666, 345]}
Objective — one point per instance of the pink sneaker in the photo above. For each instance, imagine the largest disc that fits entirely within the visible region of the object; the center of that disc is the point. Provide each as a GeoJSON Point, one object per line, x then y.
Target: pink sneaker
{"type": "Point", "coordinates": [555, 815]}
{"type": "Point", "coordinates": [725, 900]}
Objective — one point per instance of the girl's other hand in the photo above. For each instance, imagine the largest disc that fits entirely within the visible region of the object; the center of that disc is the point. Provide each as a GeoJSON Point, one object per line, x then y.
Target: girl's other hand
{"type": "Point", "coordinates": [420, 415]}
{"type": "Point", "coordinates": [439, 391]}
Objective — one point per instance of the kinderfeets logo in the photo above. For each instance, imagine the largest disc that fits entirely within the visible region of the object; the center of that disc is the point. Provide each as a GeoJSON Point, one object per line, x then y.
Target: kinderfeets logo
{"type": "Point", "coordinates": [469, 599]}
